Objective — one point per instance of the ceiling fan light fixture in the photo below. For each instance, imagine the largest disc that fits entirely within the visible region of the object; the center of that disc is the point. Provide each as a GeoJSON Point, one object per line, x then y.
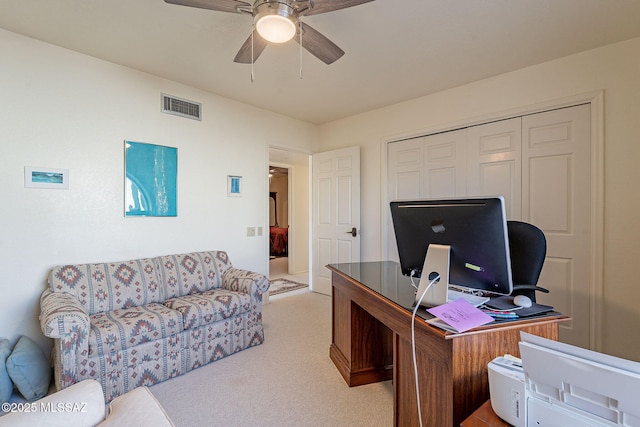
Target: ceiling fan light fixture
{"type": "Point", "coordinates": [274, 22]}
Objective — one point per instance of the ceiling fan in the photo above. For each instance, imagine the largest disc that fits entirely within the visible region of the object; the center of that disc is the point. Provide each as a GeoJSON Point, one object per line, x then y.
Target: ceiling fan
{"type": "Point", "coordinates": [278, 21]}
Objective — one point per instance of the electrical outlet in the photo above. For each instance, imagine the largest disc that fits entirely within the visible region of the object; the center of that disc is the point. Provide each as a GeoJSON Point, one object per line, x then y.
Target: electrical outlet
{"type": "Point", "coordinates": [251, 231]}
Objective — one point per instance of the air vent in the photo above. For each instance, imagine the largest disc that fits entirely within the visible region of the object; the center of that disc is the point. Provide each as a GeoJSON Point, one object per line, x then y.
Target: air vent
{"type": "Point", "coordinates": [181, 107]}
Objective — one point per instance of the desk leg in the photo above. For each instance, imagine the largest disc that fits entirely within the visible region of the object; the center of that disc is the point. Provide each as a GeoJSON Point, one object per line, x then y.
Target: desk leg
{"type": "Point", "coordinates": [434, 378]}
{"type": "Point", "coordinates": [361, 347]}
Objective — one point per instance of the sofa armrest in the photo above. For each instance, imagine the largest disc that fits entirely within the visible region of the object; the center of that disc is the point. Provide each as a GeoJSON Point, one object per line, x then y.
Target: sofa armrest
{"type": "Point", "coordinates": [63, 318]}
{"type": "Point", "coordinates": [62, 315]}
{"type": "Point", "coordinates": [245, 281]}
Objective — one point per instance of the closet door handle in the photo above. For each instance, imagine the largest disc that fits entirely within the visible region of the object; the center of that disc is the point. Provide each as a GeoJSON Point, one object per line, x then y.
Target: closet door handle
{"type": "Point", "coordinates": [353, 232]}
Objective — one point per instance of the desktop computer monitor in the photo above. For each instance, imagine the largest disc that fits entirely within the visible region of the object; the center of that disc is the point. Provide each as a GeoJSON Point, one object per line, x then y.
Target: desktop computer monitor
{"type": "Point", "coordinates": [463, 240]}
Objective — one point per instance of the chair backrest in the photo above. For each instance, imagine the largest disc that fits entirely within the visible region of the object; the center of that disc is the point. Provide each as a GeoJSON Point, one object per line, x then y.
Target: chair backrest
{"type": "Point", "coordinates": [528, 248]}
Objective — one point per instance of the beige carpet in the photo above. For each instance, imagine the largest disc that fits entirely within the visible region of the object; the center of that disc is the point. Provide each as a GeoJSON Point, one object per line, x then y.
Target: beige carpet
{"type": "Point", "coordinates": [287, 381]}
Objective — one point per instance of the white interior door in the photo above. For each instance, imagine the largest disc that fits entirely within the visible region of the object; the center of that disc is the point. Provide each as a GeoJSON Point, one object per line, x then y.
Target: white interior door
{"type": "Point", "coordinates": [335, 213]}
{"type": "Point", "coordinates": [557, 198]}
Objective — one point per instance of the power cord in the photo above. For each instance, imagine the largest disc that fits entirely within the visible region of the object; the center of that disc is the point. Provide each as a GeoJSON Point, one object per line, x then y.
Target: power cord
{"type": "Point", "coordinates": [411, 276]}
{"type": "Point", "coordinates": [413, 342]}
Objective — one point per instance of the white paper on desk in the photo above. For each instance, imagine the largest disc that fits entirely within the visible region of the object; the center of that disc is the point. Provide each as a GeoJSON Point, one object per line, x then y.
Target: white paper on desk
{"type": "Point", "coordinates": [461, 315]}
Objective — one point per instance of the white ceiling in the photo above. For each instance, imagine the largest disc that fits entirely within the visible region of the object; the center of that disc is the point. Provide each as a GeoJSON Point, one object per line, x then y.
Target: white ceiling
{"type": "Point", "coordinates": [395, 50]}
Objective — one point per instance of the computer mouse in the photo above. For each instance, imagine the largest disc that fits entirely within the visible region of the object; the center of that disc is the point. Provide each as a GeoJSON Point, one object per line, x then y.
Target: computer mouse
{"type": "Point", "coordinates": [522, 301]}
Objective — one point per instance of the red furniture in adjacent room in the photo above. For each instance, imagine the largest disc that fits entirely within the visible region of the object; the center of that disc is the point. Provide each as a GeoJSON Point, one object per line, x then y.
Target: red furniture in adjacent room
{"type": "Point", "coordinates": [279, 240]}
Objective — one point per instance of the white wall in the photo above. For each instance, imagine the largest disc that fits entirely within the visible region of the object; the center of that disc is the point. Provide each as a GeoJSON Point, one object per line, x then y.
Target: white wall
{"type": "Point", "coordinates": [614, 69]}
{"type": "Point", "coordinates": [61, 109]}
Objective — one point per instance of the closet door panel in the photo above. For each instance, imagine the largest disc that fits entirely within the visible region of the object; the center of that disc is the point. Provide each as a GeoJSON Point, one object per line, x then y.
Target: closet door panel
{"type": "Point", "coordinates": [408, 185]}
{"type": "Point", "coordinates": [405, 169]}
{"type": "Point", "coordinates": [445, 165]}
{"type": "Point", "coordinates": [557, 198]}
{"type": "Point", "coordinates": [441, 183]}
{"type": "Point", "coordinates": [494, 162]}
{"type": "Point", "coordinates": [404, 180]}
{"type": "Point", "coordinates": [550, 185]}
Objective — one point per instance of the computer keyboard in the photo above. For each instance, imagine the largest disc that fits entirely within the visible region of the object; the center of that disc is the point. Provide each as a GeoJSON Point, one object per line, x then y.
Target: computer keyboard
{"type": "Point", "coordinates": [474, 300]}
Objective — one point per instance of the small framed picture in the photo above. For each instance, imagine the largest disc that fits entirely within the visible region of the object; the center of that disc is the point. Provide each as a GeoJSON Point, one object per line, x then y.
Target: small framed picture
{"type": "Point", "coordinates": [234, 186]}
{"type": "Point", "coordinates": [36, 177]}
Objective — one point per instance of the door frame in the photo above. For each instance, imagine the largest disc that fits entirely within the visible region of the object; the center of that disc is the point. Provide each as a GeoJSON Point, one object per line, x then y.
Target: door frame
{"type": "Point", "coordinates": [291, 213]}
{"type": "Point", "coordinates": [596, 99]}
{"type": "Point", "coordinates": [291, 221]}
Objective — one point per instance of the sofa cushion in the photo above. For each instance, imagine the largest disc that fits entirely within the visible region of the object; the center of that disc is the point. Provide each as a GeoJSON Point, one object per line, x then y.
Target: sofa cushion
{"type": "Point", "coordinates": [119, 329]}
{"type": "Point", "coordinates": [29, 369]}
{"type": "Point", "coordinates": [6, 385]}
{"type": "Point", "coordinates": [109, 286]}
{"type": "Point", "coordinates": [210, 306]}
{"type": "Point", "coordinates": [190, 273]}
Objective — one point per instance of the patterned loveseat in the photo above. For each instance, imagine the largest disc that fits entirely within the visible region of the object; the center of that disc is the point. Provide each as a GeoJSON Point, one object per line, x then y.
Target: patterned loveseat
{"type": "Point", "coordinates": [140, 322]}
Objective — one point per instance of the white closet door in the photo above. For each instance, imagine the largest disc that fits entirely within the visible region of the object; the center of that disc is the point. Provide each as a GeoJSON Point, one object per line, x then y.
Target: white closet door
{"type": "Point", "coordinates": [404, 181]}
{"type": "Point", "coordinates": [557, 198]}
{"type": "Point", "coordinates": [495, 159]}
{"type": "Point", "coordinates": [541, 164]}
{"type": "Point", "coordinates": [445, 165]}
{"type": "Point", "coordinates": [433, 166]}
{"type": "Point", "coordinates": [405, 169]}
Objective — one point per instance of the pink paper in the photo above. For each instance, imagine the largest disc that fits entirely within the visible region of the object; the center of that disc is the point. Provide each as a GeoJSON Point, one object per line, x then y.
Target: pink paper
{"type": "Point", "coordinates": [461, 315]}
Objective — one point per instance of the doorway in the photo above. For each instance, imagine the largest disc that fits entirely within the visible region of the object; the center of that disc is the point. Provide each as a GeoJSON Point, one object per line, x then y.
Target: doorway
{"type": "Point", "coordinates": [278, 212]}
{"type": "Point", "coordinates": [288, 200]}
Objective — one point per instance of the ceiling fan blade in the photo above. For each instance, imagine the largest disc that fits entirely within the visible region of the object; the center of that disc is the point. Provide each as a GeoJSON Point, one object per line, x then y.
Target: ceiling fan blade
{"type": "Point", "coordinates": [219, 5]}
{"type": "Point", "coordinates": [244, 54]}
{"type": "Point", "coordinates": [322, 6]}
{"type": "Point", "coordinates": [318, 45]}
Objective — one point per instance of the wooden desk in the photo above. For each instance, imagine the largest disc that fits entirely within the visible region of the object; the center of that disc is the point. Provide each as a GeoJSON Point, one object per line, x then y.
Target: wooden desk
{"type": "Point", "coordinates": [371, 341]}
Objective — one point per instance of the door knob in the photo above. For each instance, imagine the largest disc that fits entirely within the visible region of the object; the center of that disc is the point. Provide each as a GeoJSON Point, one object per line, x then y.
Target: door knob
{"type": "Point", "coordinates": [353, 232]}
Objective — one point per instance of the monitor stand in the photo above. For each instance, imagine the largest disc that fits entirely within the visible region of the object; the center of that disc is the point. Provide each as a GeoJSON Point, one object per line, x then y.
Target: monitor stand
{"type": "Point", "coordinates": [436, 261]}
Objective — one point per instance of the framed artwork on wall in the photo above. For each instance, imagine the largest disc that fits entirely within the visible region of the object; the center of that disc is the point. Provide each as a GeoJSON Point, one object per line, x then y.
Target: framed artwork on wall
{"type": "Point", "coordinates": [36, 177]}
{"type": "Point", "coordinates": [234, 186]}
{"type": "Point", "coordinates": [151, 173]}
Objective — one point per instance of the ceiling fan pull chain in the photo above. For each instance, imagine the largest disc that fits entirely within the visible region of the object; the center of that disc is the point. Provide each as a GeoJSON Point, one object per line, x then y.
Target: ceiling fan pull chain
{"type": "Point", "coordinates": [252, 61]}
{"type": "Point", "coordinates": [300, 27]}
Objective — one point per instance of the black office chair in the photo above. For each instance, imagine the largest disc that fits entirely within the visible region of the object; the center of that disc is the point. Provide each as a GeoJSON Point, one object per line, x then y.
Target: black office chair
{"type": "Point", "coordinates": [528, 248]}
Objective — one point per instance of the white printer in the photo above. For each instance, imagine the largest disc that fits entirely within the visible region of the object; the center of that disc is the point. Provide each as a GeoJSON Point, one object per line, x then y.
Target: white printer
{"type": "Point", "coordinates": [559, 385]}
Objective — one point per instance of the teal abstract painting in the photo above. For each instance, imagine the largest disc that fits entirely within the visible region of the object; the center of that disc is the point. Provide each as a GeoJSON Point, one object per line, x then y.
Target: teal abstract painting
{"type": "Point", "coordinates": [150, 180]}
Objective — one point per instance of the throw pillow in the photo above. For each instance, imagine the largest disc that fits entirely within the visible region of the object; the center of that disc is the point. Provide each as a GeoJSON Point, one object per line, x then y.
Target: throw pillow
{"type": "Point", "coordinates": [29, 369]}
{"type": "Point", "coordinates": [6, 386]}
